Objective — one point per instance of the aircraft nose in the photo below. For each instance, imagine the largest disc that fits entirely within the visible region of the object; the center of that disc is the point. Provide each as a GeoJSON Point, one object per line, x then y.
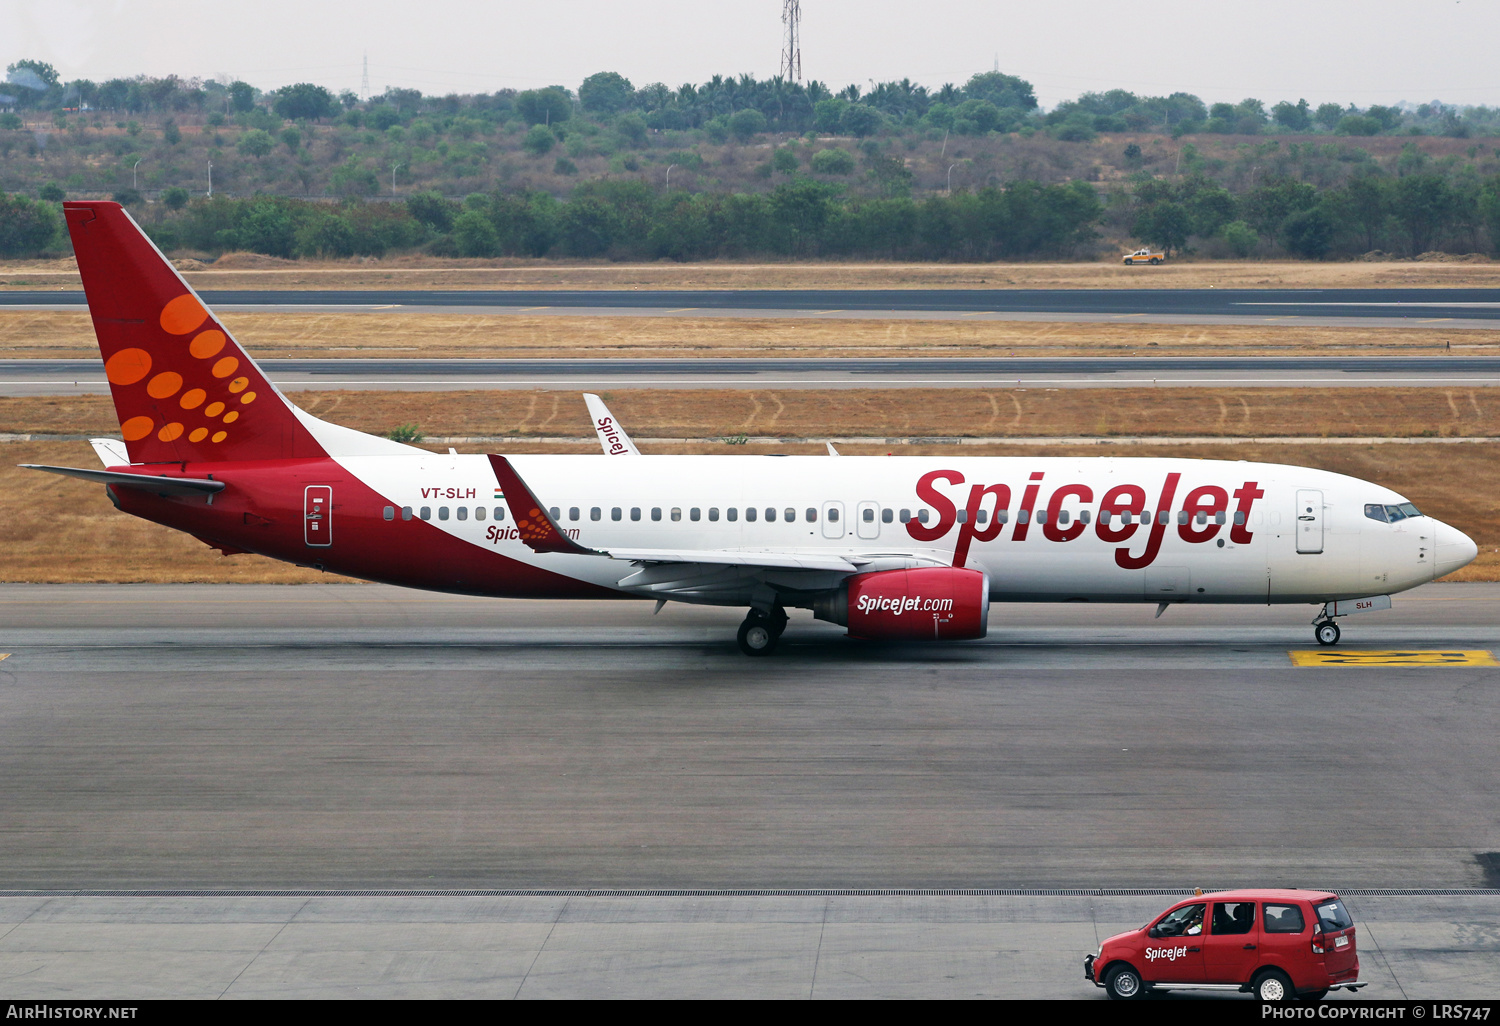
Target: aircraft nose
{"type": "Point", "coordinates": [1454, 549]}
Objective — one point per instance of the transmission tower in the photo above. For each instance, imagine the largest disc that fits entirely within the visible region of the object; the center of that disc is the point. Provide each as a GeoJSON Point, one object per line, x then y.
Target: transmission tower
{"type": "Point", "coordinates": [364, 83]}
{"type": "Point", "coordinates": [791, 52]}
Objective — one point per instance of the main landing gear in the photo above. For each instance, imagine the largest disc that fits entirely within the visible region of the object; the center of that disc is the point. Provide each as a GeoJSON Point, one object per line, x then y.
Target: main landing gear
{"type": "Point", "coordinates": [761, 630]}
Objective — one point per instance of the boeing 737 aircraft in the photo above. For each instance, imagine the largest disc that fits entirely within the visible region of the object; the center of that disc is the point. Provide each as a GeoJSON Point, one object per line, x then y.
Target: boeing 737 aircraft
{"type": "Point", "coordinates": [910, 547]}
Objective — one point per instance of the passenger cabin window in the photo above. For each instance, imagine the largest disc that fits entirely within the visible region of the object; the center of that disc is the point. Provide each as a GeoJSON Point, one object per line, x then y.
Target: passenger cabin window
{"type": "Point", "coordinates": [904, 516]}
{"type": "Point", "coordinates": [731, 513]}
{"type": "Point", "coordinates": [463, 512]}
{"type": "Point", "coordinates": [790, 515]}
{"type": "Point", "coordinates": [921, 516]}
{"type": "Point", "coordinates": [390, 513]}
{"type": "Point", "coordinates": [556, 513]}
{"type": "Point", "coordinates": [869, 515]}
{"type": "Point", "coordinates": [962, 516]}
{"type": "Point", "coordinates": [635, 513]}
{"type": "Point", "coordinates": [499, 512]}
{"type": "Point", "coordinates": [1233, 917]}
{"type": "Point", "coordinates": [833, 514]}
{"type": "Point", "coordinates": [656, 513]}
{"type": "Point", "coordinates": [770, 514]}
{"type": "Point", "coordinates": [751, 513]}
{"type": "Point", "coordinates": [1282, 919]}
{"type": "Point", "coordinates": [406, 513]}
{"type": "Point", "coordinates": [887, 515]}
{"type": "Point", "coordinates": [574, 513]}
{"type": "Point", "coordinates": [616, 513]}
{"type": "Point", "coordinates": [442, 512]}
{"type": "Point", "coordinates": [676, 512]}
{"type": "Point", "coordinates": [595, 513]}
{"type": "Point", "coordinates": [1023, 516]}
{"type": "Point", "coordinates": [426, 512]}
{"type": "Point", "coordinates": [1239, 517]}
{"type": "Point", "coordinates": [812, 515]}
{"type": "Point", "coordinates": [695, 513]}
{"type": "Point", "coordinates": [478, 512]}
{"type": "Point", "coordinates": [713, 513]}
{"type": "Point", "coordinates": [1085, 516]}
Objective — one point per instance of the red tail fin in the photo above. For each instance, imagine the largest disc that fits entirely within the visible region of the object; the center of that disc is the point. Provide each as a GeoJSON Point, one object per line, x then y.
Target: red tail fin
{"type": "Point", "coordinates": [184, 390]}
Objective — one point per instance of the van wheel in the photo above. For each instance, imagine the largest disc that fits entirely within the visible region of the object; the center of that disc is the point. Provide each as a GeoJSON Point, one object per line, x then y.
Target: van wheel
{"type": "Point", "coordinates": [1123, 984]}
{"type": "Point", "coordinates": [1155, 261]}
{"type": "Point", "coordinates": [1128, 262]}
{"type": "Point", "coordinates": [1273, 985]}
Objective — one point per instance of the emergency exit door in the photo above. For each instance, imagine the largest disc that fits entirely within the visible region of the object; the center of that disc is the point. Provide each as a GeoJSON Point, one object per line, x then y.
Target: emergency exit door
{"type": "Point", "coordinates": [1309, 521]}
{"type": "Point", "coordinates": [317, 516]}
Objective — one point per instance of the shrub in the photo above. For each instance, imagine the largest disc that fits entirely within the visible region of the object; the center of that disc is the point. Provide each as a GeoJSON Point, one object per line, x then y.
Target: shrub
{"type": "Point", "coordinates": [474, 235]}
{"type": "Point", "coordinates": [255, 143]}
{"type": "Point", "coordinates": [51, 192]}
{"type": "Point", "coordinates": [26, 226]}
{"type": "Point", "coordinates": [785, 160]}
{"type": "Point", "coordinates": [539, 141]}
{"type": "Point", "coordinates": [175, 197]}
{"type": "Point", "coordinates": [834, 161]}
{"type": "Point", "coordinates": [564, 166]}
{"type": "Point", "coordinates": [127, 197]}
{"type": "Point", "coordinates": [1240, 238]}
{"type": "Point", "coordinates": [747, 124]}
{"type": "Point", "coordinates": [409, 433]}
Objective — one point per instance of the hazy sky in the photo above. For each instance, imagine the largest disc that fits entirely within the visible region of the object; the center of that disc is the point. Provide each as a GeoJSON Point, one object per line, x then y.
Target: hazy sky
{"type": "Point", "coordinates": [1364, 51]}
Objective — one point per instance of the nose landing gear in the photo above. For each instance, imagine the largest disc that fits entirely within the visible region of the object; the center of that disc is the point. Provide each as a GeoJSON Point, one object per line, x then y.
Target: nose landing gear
{"type": "Point", "coordinates": [760, 631]}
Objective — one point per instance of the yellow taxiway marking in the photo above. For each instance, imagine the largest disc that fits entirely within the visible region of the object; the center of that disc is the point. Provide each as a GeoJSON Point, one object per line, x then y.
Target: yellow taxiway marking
{"type": "Point", "coordinates": [4, 655]}
{"type": "Point", "coordinates": [1392, 657]}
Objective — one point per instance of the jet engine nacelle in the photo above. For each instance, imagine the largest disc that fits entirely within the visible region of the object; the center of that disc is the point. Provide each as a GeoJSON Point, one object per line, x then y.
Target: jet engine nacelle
{"type": "Point", "coordinates": [939, 603]}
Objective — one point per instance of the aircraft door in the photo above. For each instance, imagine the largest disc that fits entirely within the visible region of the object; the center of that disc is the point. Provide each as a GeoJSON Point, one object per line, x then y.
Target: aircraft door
{"type": "Point", "coordinates": [317, 516]}
{"type": "Point", "coordinates": [833, 520]}
{"type": "Point", "coordinates": [867, 520]}
{"type": "Point", "coordinates": [1309, 521]}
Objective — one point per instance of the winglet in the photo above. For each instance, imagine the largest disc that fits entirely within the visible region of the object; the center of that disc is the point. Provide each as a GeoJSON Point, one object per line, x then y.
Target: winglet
{"type": "Point", "coordinates": [831, 450]}
{"type": "Point", "coordinates": [535, 527]}
{"type": "Point", "coordinates": [611, 435]}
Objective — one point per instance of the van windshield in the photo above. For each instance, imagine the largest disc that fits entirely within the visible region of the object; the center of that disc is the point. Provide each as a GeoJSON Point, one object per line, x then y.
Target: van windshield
{"type": "Point", "coordinates": [1332, 916]}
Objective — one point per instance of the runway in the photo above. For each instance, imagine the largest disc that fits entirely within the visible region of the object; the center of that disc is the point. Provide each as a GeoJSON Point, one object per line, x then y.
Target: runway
{"type": "Point", "coordinates": [1401, 306]}
{"type": "Point", "coordinates": [86, 377]}
{"type": "Point", "coordinates": [192, 741]}
{"type": "Point", "coordinates": [361, 736]}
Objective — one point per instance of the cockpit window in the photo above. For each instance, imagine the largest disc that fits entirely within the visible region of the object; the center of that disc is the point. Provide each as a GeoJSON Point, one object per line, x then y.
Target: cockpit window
{"type": "Point", "coordinates": [1391, 514]}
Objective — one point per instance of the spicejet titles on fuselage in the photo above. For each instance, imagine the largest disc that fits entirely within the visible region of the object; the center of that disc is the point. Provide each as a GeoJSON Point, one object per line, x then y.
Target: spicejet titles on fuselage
{"type": "Point", "coordinates": [1124, 501]}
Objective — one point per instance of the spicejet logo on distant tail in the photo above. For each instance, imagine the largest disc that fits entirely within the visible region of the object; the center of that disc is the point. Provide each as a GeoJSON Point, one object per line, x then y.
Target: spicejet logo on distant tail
{"type": "Point", "coordinates": [610, 435]}
{"type": "Point", "coordinates": [1118, 521]}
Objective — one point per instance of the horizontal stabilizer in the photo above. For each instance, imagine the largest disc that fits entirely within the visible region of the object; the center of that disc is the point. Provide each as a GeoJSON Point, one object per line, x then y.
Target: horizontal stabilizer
{"type": "Point", "coordinates": [161, 485]}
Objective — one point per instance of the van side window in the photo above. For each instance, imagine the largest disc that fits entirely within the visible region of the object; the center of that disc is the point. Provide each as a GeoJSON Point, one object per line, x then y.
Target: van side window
{"type": "Point", "coordinates": [1232, 917]}
{"type": "Point", "coordinates": [1186, 921]}
{"type": "Point", "coordinates": [1282, 919]}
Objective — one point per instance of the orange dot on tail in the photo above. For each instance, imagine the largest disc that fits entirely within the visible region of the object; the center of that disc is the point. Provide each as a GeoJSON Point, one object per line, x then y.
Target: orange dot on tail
{"type": "Point", "coordinates": [170, 433]}
{"type": "Point", "coordinates": [182, 315]}
{"type": "Point", "coordinates": [164, 384]}
{"type": "Point", "coordinates": [225, 367]}
{"type": "Point", "coordinates": [136, 428]}
{"type": "Point", "coordinates": [198, 435]}
{"type": "Point", "coordinates": [214, 409]}
{"type": "Point", "coordinates": [248, 398]}
{"type": "Point", "coordinates": [192, 398]}
{"type": "Point", "coordinates": [219, 436]}
{"type": "Point", "coordinates": [238, 384]}
{"type": "Point", "coordinates": [206, 344]}
{"type": "Point", "coordinates": [127, 366]}
{"type": "Point", "coordinates": [231, 416]}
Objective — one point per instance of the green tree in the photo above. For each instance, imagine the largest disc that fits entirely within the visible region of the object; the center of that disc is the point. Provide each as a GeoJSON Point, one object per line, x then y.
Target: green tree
{"type": "Point", "coordinates": [1423, 206]}
{"type": "Point", "coordinates": [431, 210]}
{"type": "Point", "coordinates": [547, 106]}
{"type": "Point", "coordinates": [264, 226]}
{"type": "Point", "coordinates": [305, 101]}
{"type": "Point", "coordinates": [1166, 225]}
{"type": "Point", "coordinates": [27, 227]}
{"type": "Point", "coordinates": [828, 115]}
{"type": "Point", "coordinates": [605, 93]}
{"type": "Point", "coordinates": [1309, 233]}
{"type": "Point", "coordinates": [327, 236]}
{"type": "Point", "coordinates": [1357, 124]}
{"type": "Point", "coordinates": [291, 139]}
{"type": "Point", "coordinates": [890, 175]}
{"type": "Point", "coordinates": [255, 143]}
{"type": "Point", "coordinates": [833, 161]}
{"type": "Point", "coordinates": [860, 120]}
{"type": "Point", "coordinates": [170, 133]}
{"type": "Point", "coordinates": [1240, 237]}
{"type": "Point", "coordinates": [1367, 199]}
{"type": "Point", "coordinates": [632, 128]}
{"type": "Point", "coordinates": [175, 197]}
{"type": "Point", "coordinates": [51, 192]}
{"type": "Point", "coordinates": [11, 121]}
{"type": "Point", "coordinates": [38, 75]}
{"type": "Point", "coordinates": [474, 235]}
{"type": "Point", "coordinates": [1489, 208]}
{"type": "Point", "coordinates": [241, 97]}
{"type": "Point", "coordinates": [1296, 117]}
{"type": "Point", "coordinates": [747, 124]}
{"type": "Point", "coordinates": [353, 178]}
{"type": "Point", "coordinates": [539, 141]}
{"type": "Point", "coordinates": [1001, 90]}
{"type": "Point", "coordinates": [784, 160]}
{"type": "Point", "coordinates": [1328, 115]}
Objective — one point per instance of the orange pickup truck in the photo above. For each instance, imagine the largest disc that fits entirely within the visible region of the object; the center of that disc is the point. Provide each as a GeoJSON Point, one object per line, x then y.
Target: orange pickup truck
{"type": "Point", "coordinates": [1144, 255]}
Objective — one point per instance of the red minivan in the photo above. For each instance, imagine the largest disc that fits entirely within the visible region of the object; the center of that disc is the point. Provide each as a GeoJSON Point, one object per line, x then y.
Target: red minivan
{"type": "Point", "coordinates": [1279, 945]}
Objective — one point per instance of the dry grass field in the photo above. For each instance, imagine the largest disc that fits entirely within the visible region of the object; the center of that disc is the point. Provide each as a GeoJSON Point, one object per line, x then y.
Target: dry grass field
{"type": "Point", "coordinates": [250, 271]}
{"type": "Point", "coordinates": [799, 413]}
{"type": "Point", "coordinates": [60, 529]}
{"type": "Point", "coordinates": [56, 334]}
